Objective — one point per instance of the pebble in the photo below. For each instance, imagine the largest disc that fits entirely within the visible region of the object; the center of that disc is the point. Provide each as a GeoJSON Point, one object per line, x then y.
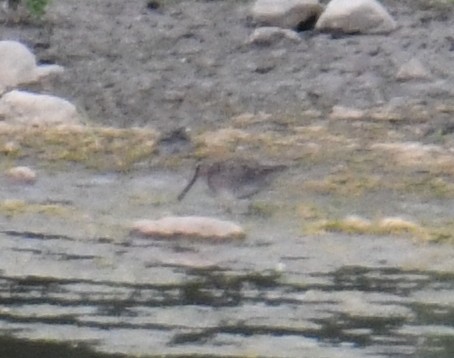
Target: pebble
{"type": "Point", "coordinates": [341, 112]}
{"type": "Point", "coordinates": [268, 35]}
{"type": "Point", "coordinates": [413, 69]}
{"type": "Point", "coordinates": [21, 175]}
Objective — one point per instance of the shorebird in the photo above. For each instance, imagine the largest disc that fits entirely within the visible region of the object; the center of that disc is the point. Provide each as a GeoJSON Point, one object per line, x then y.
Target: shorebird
{"type": "Point", "coordinates": [237, 178]}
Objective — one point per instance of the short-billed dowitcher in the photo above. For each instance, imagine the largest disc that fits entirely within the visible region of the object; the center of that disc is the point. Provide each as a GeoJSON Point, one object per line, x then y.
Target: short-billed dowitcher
{"type": "Point", "coordinates": [238, 178]}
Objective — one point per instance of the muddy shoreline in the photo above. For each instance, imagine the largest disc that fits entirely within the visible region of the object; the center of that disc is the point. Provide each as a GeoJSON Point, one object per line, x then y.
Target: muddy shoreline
{"type": "Point", "coordinates": [189, 64]}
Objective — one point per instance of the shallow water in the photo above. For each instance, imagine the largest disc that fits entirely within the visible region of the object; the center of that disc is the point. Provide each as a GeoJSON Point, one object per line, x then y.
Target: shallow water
{"type": "Point", "coordinates": [74, 282]}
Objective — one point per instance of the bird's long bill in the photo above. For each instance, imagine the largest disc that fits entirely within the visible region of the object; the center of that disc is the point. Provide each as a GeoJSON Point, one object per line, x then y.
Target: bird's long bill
{"type": "Point", "coordinates": [190, 184]}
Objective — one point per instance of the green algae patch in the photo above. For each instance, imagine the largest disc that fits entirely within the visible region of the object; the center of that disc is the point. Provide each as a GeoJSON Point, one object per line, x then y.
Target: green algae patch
{"type": "Point", "coordinates": [387, 226]}
{"type": "Point", "coordinates": [307, 143]}
{"type": "Point", "coordinates": [356, 225]}
{"type": "Point", "coordinates": [443, 234]}
{"type": "Point", "coordinates": [15, 207]}
{"type": "Point", "coordinates": [432, 158]}
{"type": "Point", "coordinates": [437, 186]}
{"type": "Point", "coordinates": [264, 209]}
{"type": "Point", "coordinates": [100, 148]}
{"type": "Point", "coordinates": [346, 183]}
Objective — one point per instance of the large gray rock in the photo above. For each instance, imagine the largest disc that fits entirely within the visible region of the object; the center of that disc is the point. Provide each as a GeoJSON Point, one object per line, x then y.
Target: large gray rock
{"type": "Point", "coordinates": [356, 16]}
{"type": "Point", "coordinates": [18, 65]}
{"type": "Point", "coordinates": [21, 107]}
{"type": "Point", "coordinates": [286, 13]}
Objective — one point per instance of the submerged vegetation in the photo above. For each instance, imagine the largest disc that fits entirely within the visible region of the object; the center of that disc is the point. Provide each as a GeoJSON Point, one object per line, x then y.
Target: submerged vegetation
{"type": "Point", "coordinates": [14, 207]}
{"type": "Point", "coordinates": [98, 148]}
{"type": "Point", "coordinates": [387, 226]}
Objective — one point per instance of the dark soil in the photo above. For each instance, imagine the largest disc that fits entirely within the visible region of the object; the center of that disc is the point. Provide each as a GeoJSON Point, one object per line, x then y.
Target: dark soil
{"type": "Point", "coordinates": [188, 63]}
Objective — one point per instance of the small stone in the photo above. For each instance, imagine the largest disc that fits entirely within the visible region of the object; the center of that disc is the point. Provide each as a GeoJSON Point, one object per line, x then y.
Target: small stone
{"type": "Point", "coordinates": [188, 227]}
{"type": "Point", "coordinates": [174, 96]}
{"type": "Point", "coordinates": [21, 175]}
{"type": "Point", "coordinates": [268, 35]}
{"type": "Point", "coordinates": [355, 16]}
{"type": "Point", "coordinates": [341, 112]}
{"type": "Point", "coordinates": [413, 69]}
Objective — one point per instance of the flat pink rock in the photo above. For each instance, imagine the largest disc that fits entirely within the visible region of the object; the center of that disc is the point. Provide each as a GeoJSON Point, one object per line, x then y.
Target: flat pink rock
{"type": "Point", "coordinates": [189, 226]}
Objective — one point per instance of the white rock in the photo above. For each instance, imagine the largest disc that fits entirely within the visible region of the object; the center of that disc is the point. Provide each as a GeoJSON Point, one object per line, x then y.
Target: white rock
{"type": "Point", "coordinates": [22, 175]}
{"type": "Point", "coordinates": [18, 65]}
{"type": "Point", "coordinates": [268, 35]}
{"type": "Point", "coordinates": [285, 13]}
{"type": "Point", "coordinates": [356, 16]}
{"type": "Point", "coordinates": [341, 112]}
{"type": "Point", "coordinates": [189, 226]}
{"type": "Point", "coordinates": [413, 69]}
{"type": "Point", "coordinates": [21, 107]}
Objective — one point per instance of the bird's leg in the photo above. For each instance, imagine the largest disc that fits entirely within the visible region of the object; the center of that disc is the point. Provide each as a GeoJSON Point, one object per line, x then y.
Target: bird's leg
{"type": "Point", "coordinates": [190, 184]}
